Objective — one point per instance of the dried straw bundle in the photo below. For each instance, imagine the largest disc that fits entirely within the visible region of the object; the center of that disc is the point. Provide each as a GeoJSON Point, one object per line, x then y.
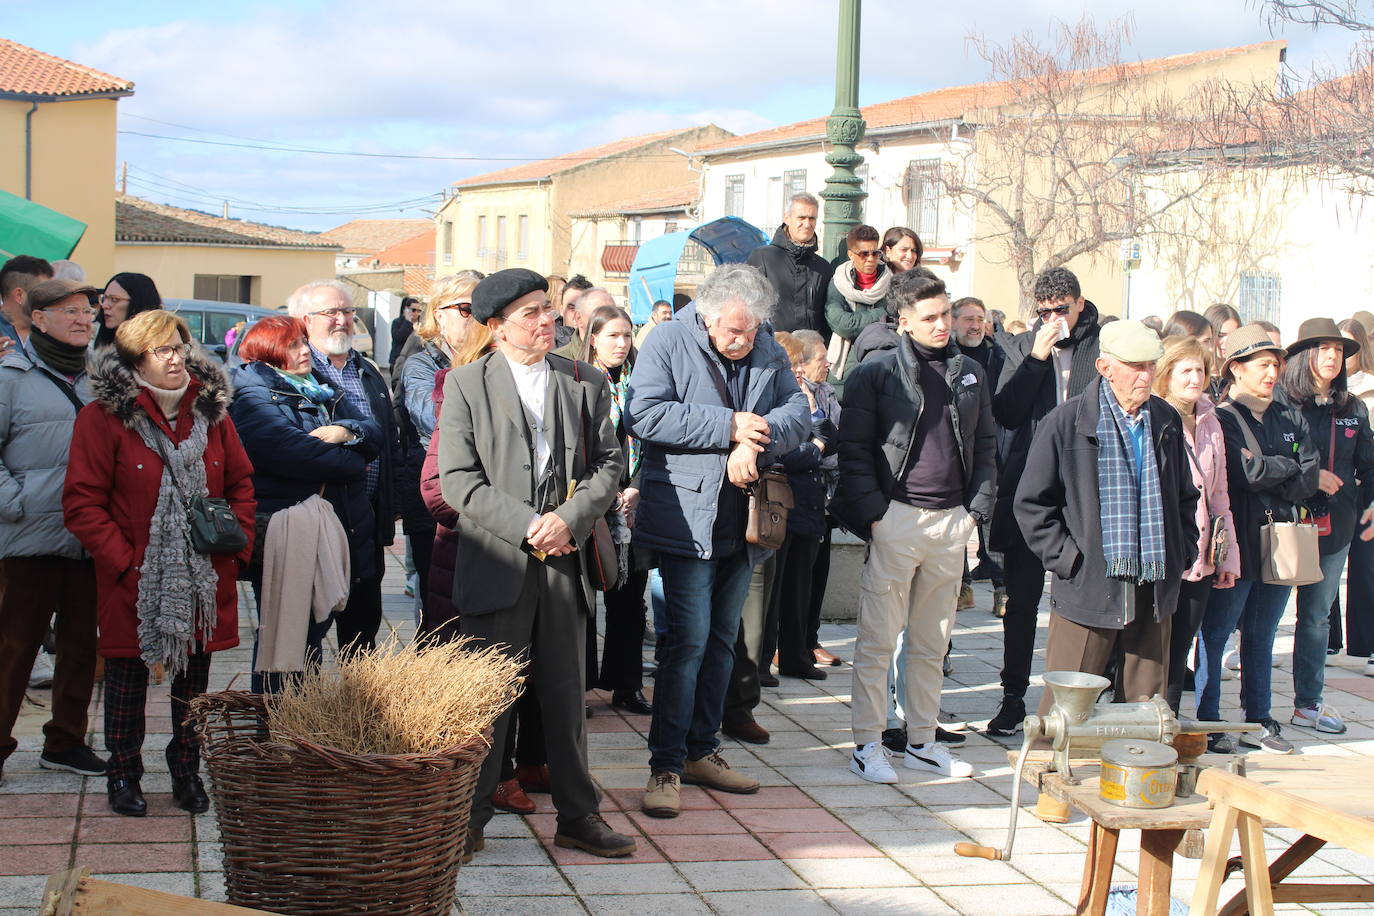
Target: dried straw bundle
{"type": "Point", "coordinates": [416, 699]}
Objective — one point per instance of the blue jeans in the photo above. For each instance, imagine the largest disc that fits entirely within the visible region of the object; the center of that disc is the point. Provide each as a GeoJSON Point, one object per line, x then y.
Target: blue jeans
{"type": "Point", "coordinates": [1256, 607]}
{"type": "Point", "coordinates": [1314, 624]}
{"type": "Point", "coordinates": [703, 600]}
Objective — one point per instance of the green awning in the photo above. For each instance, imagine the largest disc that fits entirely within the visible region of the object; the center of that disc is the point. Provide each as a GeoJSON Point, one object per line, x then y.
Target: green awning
{"type": "Point", "coordinates": [30, 228]}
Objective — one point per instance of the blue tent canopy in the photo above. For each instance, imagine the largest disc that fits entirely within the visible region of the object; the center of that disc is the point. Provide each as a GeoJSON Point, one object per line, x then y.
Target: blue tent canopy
{"type": "Point", "coordinates": [728, 240]}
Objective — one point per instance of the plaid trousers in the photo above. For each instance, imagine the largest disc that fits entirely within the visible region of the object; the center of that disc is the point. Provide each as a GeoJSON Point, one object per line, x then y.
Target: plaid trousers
{"type": "Point", "coordinates": [126, 696]}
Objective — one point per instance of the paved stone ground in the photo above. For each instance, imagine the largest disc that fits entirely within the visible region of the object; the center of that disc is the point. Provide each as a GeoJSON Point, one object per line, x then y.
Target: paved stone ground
{"type": "Point", "coordinates": [815, 839]}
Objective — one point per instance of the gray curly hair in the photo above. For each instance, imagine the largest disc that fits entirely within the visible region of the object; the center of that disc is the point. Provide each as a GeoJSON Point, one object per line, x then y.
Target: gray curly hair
{"type": "Point", "coordinates": [736, 283]}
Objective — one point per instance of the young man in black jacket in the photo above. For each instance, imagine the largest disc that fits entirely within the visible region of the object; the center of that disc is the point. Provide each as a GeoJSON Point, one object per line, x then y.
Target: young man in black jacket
{"type": "Point", "coordinates": [1045, 366]}
{"type": "Point", "coordinates": [917, 464]}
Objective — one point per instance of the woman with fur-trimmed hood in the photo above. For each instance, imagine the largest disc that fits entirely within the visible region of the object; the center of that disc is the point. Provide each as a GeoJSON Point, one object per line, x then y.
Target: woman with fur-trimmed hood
{"type": "Point", "coordinates": [162, 605]}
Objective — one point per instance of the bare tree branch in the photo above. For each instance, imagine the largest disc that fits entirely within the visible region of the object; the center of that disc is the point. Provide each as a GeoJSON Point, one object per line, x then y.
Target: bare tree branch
{"type": "Point", "coordinates": [1070, 140]}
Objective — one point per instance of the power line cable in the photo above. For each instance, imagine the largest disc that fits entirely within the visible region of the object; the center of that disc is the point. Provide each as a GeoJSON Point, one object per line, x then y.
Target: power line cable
{"type": "Point", "coordinates": [335, 152]}
{"type": "Point", "coordinates": [149, 179]}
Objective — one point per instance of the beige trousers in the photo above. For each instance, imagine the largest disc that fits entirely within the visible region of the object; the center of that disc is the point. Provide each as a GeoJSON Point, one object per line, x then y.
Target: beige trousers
{"type": "Point", "coordinates": [911, 579]}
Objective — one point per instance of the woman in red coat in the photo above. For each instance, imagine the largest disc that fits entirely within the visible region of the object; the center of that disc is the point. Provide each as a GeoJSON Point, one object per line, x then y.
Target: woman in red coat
{"type": "Point", "coordinates": [162, 605]}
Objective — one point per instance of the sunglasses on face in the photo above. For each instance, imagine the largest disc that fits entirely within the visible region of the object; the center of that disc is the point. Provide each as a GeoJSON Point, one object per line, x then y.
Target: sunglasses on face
{"type": "Point", "coordinates": [866, 254]}
{"type": "Point", "coordinates": [1044, 313]}
{"type": "Point", "coordinates": [464, 308]}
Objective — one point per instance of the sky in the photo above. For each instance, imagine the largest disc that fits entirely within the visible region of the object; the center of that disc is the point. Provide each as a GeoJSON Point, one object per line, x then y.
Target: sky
{"type": "Point", "coordinates": [482, 86]}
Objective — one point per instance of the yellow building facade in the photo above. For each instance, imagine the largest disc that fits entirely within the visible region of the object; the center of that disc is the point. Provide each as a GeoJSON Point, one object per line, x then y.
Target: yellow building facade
{"type": "Point", "coordinates": [194, 255]}
{"type": "Point", "coordinates": [58, 119]}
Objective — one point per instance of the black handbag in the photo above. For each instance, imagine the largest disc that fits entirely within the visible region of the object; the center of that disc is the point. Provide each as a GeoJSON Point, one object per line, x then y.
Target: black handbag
{"type": "Point", "coordinates": [213, 525]}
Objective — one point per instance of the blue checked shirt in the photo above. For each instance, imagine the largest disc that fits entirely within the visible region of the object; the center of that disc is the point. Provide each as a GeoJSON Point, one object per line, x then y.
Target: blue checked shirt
{"type": "Point", "coordinates": [350, 381]}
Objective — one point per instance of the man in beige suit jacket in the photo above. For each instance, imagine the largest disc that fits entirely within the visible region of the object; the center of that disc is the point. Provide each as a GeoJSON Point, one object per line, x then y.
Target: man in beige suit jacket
{"type": "Point", "coordinates": [529, 458]}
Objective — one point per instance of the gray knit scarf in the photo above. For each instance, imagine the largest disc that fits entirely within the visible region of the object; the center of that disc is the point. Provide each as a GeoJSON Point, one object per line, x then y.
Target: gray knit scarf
{"type": "Point", "coordinates": [176, 584]}
{"type": "Point", "coordinates": [1132, 508]}
{"type": "Point", "coordinates": [857, 297]}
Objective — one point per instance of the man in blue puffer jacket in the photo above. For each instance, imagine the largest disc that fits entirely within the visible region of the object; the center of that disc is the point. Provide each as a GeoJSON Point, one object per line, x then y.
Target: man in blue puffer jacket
{"type": "Point", "coordinates": [713, 400]}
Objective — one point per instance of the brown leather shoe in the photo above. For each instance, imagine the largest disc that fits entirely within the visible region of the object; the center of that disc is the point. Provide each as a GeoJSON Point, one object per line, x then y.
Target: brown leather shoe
{"type": "Point", "coordinates": [475, 844]}
{"type": "Point", "coordinates": [510, 797]}
{"type": "Point", "coordinates": [591, 834]}
{"type": "Point", "coordinates": [748, 731]}
{"type": "Point", "coordinates": [824, 657]}
{"type": "Point", "coordinates": [532, 777]}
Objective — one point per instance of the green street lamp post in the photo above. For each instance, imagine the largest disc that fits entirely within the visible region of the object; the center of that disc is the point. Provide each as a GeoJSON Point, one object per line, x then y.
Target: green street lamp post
{"type": "Point", "coordinates": [843, 192]}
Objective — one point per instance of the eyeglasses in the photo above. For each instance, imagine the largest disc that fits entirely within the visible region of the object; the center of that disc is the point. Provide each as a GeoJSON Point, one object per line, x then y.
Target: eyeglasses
{"type": "Point", "coordinates": [464, 308]}
{"type": "Point", "coordinates": [1044, 313]}
{"type": "Point", "coordinates": [107, 299]}
{"type": "Point", "coordinates": [166, 353]}
{"type": "Point", "coordinates": [335, 314]}
{"type": "Point", "coordinates": [71, 313]}
{"type": "Point", "coordinates": [865, 254]}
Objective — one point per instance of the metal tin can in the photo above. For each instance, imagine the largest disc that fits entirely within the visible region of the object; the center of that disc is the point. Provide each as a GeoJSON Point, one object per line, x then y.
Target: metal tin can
{"type": "Point", "coordinates": [1138, 774]}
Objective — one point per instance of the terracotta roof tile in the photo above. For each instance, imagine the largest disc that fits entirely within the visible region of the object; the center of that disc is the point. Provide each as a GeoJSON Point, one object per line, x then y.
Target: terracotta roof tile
{"type": "Point", "coordinates": [664, 199]}
{"type": "Point", "coordinates": [417, 251]}
{"type": "Point", "coordinates": [139, 220]}
{"type": "Point", "coordinates": [24, 71]}
{"type": "Point", "coordinates": [373, 235]}
{"type": "Point", "coordinates": [545, 168]}
{"type": "Point", "coordinates": [418, 282]}
{"type": "Point", "coordinates": [949, 103]}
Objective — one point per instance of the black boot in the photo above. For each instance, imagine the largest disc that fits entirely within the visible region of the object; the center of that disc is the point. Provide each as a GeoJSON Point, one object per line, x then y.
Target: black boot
{"type": "Point", "coordinates": [126, 798]}
{"type": "Point", "coordinates": [632, 701]}
{"type": "Point", "coordinates": [189, 794]}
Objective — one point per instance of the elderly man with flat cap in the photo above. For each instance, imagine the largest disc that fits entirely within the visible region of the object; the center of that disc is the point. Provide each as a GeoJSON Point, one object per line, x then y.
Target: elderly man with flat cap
{"type": "Point", "coordinates": [1107, 503]}
{"type": "Point", "coordinates": [528, 456]}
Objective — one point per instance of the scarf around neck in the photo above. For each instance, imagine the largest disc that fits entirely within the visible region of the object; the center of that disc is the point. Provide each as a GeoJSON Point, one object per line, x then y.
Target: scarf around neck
{"type": "Point", "coordinates": [1132, 506]}
{"type": "Point", "coordinates": [1256, 405]}
{"type": "Point", "coordinates": [176, 585]}
{"type": "Point", "coordinates": [857, 297]}
{"type": "Point", "coordinates": [65, 358]}
{"type": "Point", "coordinates": [316, 392]}
{"type": "Point", "coordinates": [620, 395]}
{"type": "Point", "coordinates": [168, 399]}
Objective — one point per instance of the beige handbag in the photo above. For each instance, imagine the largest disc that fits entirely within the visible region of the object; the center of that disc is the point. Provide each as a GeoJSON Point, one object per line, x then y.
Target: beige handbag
{"type": "Point", "coordinates": [1290, 552]}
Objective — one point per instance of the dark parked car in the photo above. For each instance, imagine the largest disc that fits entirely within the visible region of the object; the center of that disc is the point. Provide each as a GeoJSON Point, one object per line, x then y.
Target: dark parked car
{"type": "Point", "coordinates": [210, 321]}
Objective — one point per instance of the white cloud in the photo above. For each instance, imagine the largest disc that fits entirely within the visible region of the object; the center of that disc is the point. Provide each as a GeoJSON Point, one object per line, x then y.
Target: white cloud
{"type": "Point", "coordinates": [542, 78]}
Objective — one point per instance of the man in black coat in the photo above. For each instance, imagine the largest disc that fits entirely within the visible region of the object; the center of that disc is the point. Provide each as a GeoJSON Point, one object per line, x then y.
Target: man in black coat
{"type": "Point", "coordinates": [326, 307]}
{"type": "Point", "coordinates": [1107, 504]}
{"type": "Point", "coordinates": [795, 269]}
{"type": "Point", "coordinates": [1045, 366]}
{"type": "Point", "coordinates": [972, 334]}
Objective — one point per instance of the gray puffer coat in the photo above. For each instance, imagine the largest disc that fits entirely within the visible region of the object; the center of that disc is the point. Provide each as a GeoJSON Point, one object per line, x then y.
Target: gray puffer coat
{"type": "Point", "coordinates": [36, 420]}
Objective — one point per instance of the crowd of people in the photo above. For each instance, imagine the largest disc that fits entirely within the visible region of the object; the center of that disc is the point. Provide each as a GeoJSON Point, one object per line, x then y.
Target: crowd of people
{"type": "Point", "coordinates": [539, 450]}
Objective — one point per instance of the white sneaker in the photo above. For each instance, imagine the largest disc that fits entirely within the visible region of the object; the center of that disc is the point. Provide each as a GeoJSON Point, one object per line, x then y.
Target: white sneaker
{"type": "Point", "coordinates": [1230, 664]}
{"type": "Point", "coordinates": [1369, 667]}
{"type": "Point", "coordinates": [40, 678]}
{"type": "Point", "coordinates": [937, 758]}
{"type": "Point", "coordinates": [870, 762]}
{"type": "Point", "coordinates": [1321, 718]}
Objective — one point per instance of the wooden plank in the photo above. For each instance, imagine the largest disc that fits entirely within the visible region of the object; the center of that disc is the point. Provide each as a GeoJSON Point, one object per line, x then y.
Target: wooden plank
{"type": "Point", "coordinates": [1212, 872]}
{"type": "Point", "coordinates": [1156, 870]}
{"type": "Point", "coordinates": [1293, 857]}
{"type": "Point", "coordinates": [1323, 893]}
{"type": "Point", "coordinates": [1328, 820]}
{"type": "Point", "coordinates": [1259, 895]}
{"type": "Point", "coordinates": [1097, 870]}
{"type": "Point", "coordinates": [73, 893]}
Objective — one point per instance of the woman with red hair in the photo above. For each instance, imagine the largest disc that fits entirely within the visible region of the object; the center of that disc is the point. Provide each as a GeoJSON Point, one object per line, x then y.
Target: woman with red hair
{"type": "Point", "coordinates": [303, 438]}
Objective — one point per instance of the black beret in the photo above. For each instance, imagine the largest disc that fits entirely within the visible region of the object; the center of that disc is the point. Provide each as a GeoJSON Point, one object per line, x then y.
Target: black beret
{"type": "Point", "coordinates": [502, 288]}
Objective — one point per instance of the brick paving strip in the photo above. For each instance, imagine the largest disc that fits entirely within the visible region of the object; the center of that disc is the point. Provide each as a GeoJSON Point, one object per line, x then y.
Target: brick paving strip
{"type": "Point", "coordinates": [815, 839]}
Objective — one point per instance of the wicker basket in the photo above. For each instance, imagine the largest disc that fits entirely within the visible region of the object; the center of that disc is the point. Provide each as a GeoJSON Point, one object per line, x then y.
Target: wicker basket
{"type": "Point", "coordinates": [311, 830]}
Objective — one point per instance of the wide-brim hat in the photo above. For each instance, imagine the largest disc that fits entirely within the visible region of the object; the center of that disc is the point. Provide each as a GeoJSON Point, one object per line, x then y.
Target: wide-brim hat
{"type": "Point", "coordinates": [50, 291]}
{"type": "Point", "coordinates": [1319, 330]}
{"type": "Point", "coordinates": [1246, 341]}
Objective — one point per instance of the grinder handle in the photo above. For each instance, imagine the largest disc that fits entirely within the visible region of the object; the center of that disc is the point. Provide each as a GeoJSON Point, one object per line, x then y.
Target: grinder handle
{"type": "Point", "coordinates": [972, 851]}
